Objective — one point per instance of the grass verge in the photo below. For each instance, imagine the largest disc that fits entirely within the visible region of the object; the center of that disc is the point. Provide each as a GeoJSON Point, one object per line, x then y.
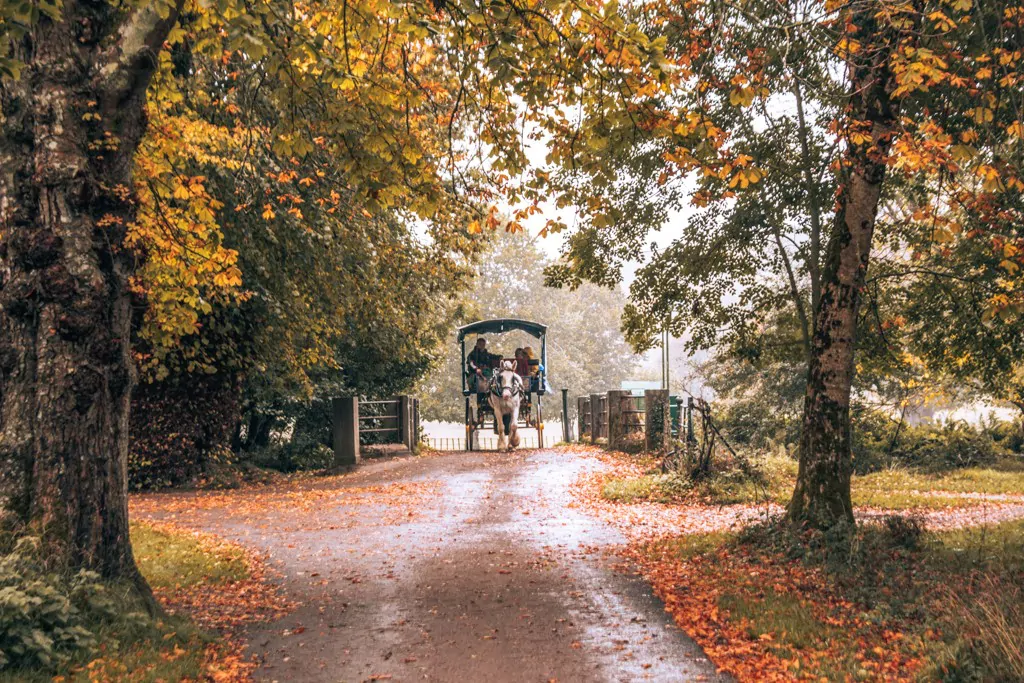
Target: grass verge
{"type": "Point", "coordinates": [775, 476]}
{"type": "Point", "coordinates": [887, 602]}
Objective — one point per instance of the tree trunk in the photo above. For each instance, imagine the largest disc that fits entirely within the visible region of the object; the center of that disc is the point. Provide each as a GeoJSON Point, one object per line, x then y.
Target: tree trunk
{"type": "Point", "coordinates": [68, 133]}
{"type": "Point", "coordinates": [822, 494]}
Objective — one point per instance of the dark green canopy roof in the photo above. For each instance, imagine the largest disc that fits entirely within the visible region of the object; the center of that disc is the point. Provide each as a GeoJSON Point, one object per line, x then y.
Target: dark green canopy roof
{"type": "Point", "coordinates": [499, 325]}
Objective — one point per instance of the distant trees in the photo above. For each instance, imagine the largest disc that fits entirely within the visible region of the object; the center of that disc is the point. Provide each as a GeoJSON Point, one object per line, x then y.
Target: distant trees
{"type": "Point", "coordinates": [586, 349]}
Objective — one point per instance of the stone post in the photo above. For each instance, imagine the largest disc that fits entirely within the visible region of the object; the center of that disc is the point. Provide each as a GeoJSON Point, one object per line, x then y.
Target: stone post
{"type": "Point", "coordinates": [345, 418]}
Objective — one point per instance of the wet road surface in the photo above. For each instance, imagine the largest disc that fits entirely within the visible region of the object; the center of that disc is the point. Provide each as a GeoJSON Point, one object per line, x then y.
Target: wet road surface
{"type": "Point", "coordinates": [476, 568]}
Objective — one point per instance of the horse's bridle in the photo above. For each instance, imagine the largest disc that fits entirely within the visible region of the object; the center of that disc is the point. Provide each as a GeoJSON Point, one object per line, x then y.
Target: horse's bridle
{"type": "Point", "coordinates": [497, 388]}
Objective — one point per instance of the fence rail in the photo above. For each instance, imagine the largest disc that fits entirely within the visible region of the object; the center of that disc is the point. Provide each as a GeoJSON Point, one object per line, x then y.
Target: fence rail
{"type": "Point", "coordinates": [483, 442]}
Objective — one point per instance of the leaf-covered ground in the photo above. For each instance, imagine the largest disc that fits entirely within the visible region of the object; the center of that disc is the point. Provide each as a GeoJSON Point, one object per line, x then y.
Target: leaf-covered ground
{"type": "Point", "coordinates": [624, 493]}
{"type": "Point", "coordinates": [884, 601]}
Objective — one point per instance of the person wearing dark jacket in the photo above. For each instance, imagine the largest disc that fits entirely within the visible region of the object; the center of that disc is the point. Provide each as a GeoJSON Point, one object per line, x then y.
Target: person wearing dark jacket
{"type": "Point", "coordinates": [480, 358]}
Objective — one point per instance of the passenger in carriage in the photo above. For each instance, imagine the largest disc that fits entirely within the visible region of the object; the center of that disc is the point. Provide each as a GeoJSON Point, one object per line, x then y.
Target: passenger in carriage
{"type": "Point", "coordinates": [478, 361]}
{"type": "Point", "coordinates": [523, 370]}
{"type": "Point", "coordinates": [533, 363]}
{"type": "Point", "coordinates": [522, 363]}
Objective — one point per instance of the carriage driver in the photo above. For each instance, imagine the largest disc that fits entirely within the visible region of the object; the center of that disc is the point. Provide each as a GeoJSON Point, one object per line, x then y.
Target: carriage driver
{"type": "Point", "coordinates": [480, 358]}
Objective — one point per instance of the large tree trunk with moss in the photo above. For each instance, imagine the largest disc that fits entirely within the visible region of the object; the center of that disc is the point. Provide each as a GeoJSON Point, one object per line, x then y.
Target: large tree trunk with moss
{"type": "Point", "coordinates": [69, 130]}
{"type": "Point", "coordinates": [822, 494]}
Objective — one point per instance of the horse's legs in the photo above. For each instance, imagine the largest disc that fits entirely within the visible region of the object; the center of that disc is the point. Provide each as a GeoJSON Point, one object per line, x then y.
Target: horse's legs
{"type": "Point", "coordinates": [499, 424]}
{"type": "Point", "coordinates": [513, 429]}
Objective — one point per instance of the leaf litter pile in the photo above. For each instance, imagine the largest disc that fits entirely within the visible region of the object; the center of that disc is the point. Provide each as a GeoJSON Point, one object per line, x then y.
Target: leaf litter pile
{"type": "Point", "coordinates": [881, 603]}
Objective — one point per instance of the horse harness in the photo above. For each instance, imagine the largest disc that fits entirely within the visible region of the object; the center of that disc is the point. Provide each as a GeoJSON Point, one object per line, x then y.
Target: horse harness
{"type": "Point", "coordinates": [497, 388]}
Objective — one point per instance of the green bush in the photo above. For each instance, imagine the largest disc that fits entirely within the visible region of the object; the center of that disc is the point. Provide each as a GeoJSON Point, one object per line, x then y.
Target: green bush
{"type": "Point", "coordinates": [879, 442]}
{"type": "Point", "coordinates": [297, 455]}
{"type": "Point", "coordinates": [45, 618]}
{"type": "Point", "coordinates": [1008, 435]}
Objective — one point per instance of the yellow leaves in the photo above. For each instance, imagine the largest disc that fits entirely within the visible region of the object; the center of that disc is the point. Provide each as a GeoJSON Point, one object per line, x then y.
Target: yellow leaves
{"type": "Point", "coordinates": [847, 46]}
{"type": "Point", "coordinates": [474, 228]}
{"type": "Point", "coordinates": [741, 97]}
{"type": "Point", "coordinates": [962, 153]}
{"type": "Point", "coordinates": [990, 179]}
{"type": "Point", "coordinates": [960, 5]}
{"type": "Point", "coordinates": [1016, 130]}
{"type": "Point", "coordinates": [981, 115]}
{"type": "Point", "coordinates": [745, 177]}
{"type": "Point", "coordinates": [859, 136]}
{"type": "Point", "coordinates": [1009, 266]}
{"type": "Point", "coordinates": [917, 69]}
{"type": "Point", "coordinates": [411, 154]}
{"type": "Point", "coordinates": [943, 23]}
{"type": "Point", "coordinates": [268, 212]}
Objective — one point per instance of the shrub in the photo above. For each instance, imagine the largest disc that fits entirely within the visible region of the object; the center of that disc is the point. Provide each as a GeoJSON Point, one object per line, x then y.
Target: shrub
{"type": "Point", "coordinates": [879, 442]}
{"type": "Point", "coordinates": [904, 531]}
{"type": "Point", "coordinates": [179, 427]}
{"type": "Point", "coordinates": [1008, 435]}
{"type": "Point", "coordinates": [45, 617]}
{"type": "Point", "coordinates": [294, 456]}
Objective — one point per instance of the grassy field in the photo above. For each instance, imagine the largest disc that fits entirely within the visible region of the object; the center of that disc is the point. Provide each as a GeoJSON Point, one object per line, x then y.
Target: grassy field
{"type": "Point", "coordinates": [132, 646]}
{"type": "Point", "coordinates": [896, 489]}
{"type": "Point", "coordinates": [889, 602]}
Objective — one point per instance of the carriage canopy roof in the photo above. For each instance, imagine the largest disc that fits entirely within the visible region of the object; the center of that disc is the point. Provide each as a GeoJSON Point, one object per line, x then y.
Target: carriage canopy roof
{"type": "Point", "coordinates": [499, 325]}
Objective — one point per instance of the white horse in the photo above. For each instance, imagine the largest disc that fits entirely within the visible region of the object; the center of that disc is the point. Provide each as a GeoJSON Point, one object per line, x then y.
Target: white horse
{"type": "Point", "coordinates": [505, 397]}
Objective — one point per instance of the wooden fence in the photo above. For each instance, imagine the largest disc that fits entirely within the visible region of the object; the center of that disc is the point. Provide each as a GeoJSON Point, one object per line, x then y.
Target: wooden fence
{"type": "Point", "coordinates": [482, 442]}
{"type": "Point", "coordinates": [618, 417]}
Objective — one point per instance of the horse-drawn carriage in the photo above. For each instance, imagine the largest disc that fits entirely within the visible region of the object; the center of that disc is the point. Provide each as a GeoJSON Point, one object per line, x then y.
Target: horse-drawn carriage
{"type": "Point", "coordinates": [484, 382]}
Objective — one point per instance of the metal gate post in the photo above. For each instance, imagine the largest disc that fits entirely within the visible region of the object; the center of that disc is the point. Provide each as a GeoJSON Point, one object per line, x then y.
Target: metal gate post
{"type": "Point", "coordinates": [469, 426]}
{"type": "Point", "coordinates": [404, 409]}
{"type": "Point", "coordinates": [345, 418]}
{"type": "Point", "coordinates": [689, 420]}
{"type": "Point", "coordinates": [415, 425]}
{"type": "Point", "coordinates": [566, 428]}
{"type": "Point", "coordinates": [595, 417]}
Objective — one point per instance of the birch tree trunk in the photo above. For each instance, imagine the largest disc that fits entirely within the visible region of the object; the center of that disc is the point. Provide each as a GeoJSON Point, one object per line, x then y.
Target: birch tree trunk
{"type": "Point", "coordinates": [822, 494]}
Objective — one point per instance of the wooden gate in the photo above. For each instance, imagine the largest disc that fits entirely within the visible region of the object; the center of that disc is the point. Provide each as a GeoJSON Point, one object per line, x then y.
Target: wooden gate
{"type": "Point", "coordinates": [358, 421]}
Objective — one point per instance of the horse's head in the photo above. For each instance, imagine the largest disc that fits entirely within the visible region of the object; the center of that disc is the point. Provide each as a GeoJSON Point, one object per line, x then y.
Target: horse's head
{"type": "Point", "coordinates": [505, 382]}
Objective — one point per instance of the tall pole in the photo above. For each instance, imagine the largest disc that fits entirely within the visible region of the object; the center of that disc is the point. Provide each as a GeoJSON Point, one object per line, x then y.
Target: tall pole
{"type": "Point", "coordinates": [665, 359]}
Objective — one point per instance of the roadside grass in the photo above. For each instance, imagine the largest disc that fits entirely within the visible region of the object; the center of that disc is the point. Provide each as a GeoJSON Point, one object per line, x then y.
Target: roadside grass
{"type": "Point", "coordinates": [132, 646]}
{"type": "Point", "coordinates": [170, 561]}
{"type": "Point", "coordinates": [875, 602]}
{"type": "Point", "coordinates": [773, 477]}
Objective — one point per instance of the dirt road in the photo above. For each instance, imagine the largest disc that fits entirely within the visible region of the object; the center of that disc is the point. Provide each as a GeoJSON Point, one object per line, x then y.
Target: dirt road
{"type": "Point", "coordinates": [462, 567]}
